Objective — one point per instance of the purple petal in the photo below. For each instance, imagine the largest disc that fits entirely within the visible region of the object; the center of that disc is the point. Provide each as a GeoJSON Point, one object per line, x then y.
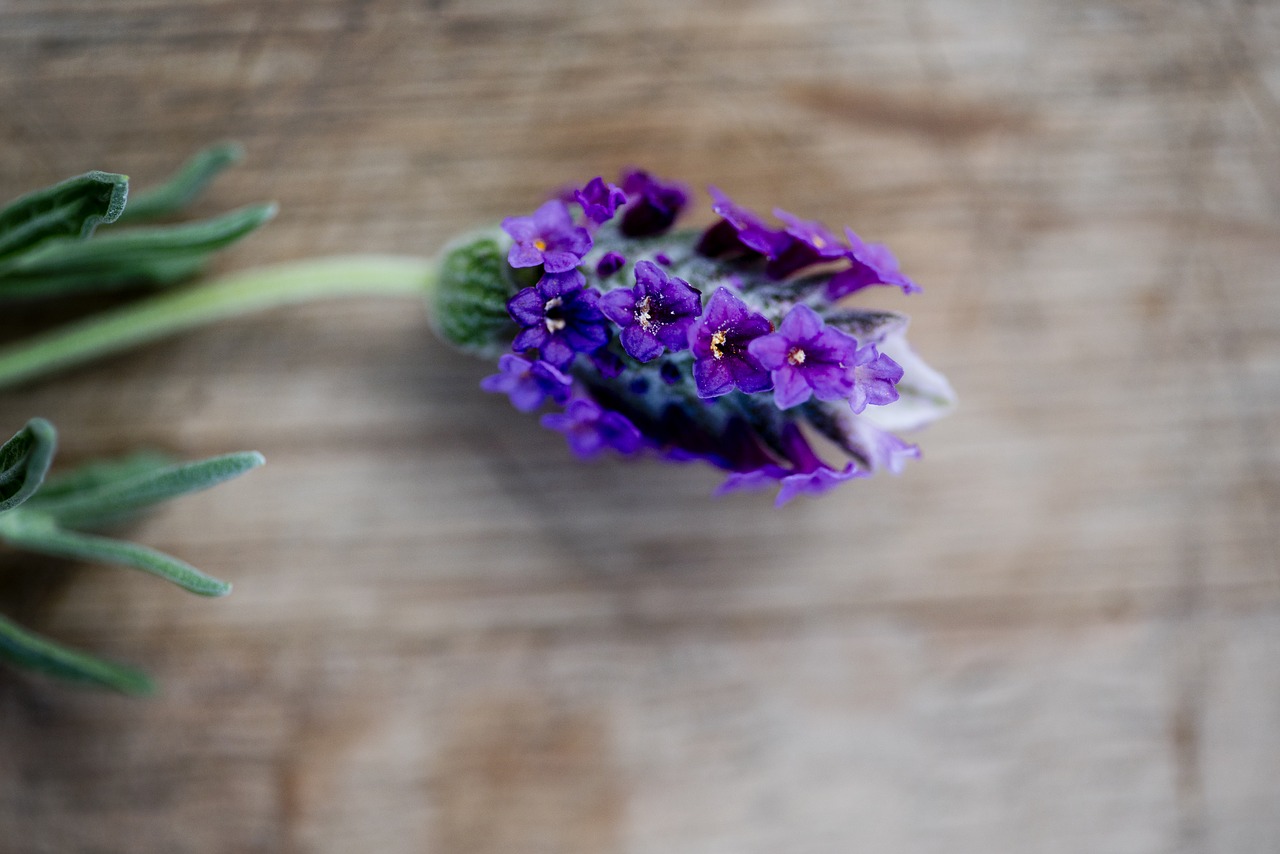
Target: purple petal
{"type": "Point", "coordinates": [800, 325]}
{"type": "Point", "coordinates": [641, 344]}
{"type": "Point", "coordinates": [771, 350]}
{"type": "Point", "coordinates": [712, 378]}
{"type": "Point", "coordinates": [790, 388]}
{"type": "Point", "coordinates": [619, 306]}
{"type": "Point", "coordinates": [526, 307]}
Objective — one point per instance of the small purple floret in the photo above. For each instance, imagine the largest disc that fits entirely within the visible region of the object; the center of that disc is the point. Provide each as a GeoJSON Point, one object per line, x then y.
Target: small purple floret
{"type": "Point", "coordinates": [873, 264]}
{"type": "Point", "coordinates": [740, 231]}
{"type": "Point", "coordinates": [610, 263]}
{"type": "Point", "coordinates": [599, 200]}
{"type": "Point", "coordinates": [591, 429]}
{"type": "Point", "coordinates": [806, 242]}
{"type": "Point", "coordinates": [876, 378]}
{"type": "Point", "coordinates": [655, 315]}
{"type": "Point", "coordinates": [560, 318]}
{"type": "Point", "coordinates": [527, 383]}
{"type": "Point", "coordinates": [549, 238]}
{"type": "Point", "coordinates": [807, 358]}
{"type": "Point", "coordinates": [719, 341]}
{"type": "Point", "coordinates": [652, 205]}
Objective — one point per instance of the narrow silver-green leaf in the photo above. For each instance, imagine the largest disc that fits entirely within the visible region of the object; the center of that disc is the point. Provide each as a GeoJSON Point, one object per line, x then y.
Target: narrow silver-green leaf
{"type": "Point", "coordinates": [39, 533]}
{"type": "Point", "coordinates": [24, 460]}
{"type": "Point", "coordinates": [148, 255]}
{"type": "Point", "coordinates": [32, 651]}
{"type": "Point", "coordinates": [70, 209]}
{"type": "Point", "coordinates": [99, 473]}
{"type": "Point", "coordinates": [185, 185]}
{"type": "Point", "coordinates": [116, 499]}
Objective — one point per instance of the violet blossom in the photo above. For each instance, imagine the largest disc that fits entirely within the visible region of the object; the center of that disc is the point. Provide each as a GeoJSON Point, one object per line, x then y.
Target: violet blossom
{"type": "Point", "coordinates": [599, 200]}
{"type": "Point", "coordinates": [549, 238]}
{"type": "Point", "coordinates": [873, 264]}
{"type": "Point", "coordinates": [652, 204]}
{"type": "Point", "coordinates": [655, 315]}
{"type": "Point", "coordinates": [590, 429]}
{"type": "Point", "coordinates": [806, 358]}
{"type": "Point", "coordinates": [528, 383]}
{"type": "Point", "coordinates": [719, 342]}
{"type": "Point", "coordinates": [559, 317]}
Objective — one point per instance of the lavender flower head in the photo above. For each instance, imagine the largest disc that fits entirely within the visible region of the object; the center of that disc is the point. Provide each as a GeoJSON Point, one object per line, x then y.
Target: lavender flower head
{"type": "Point", "coordinates": [725, 346]}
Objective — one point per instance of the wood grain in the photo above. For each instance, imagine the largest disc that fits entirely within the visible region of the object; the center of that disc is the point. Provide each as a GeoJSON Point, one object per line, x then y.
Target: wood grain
{"type": "Point", "coordinates": [1057, 633]}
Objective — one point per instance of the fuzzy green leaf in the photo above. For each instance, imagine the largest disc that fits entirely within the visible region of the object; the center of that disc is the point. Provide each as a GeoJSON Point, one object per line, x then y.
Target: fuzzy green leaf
{"type": "Point", "coordinates": [153, 255]}
{"type": "Point", "coordinates": [71, 210]}
{"type": "Point", "coordinates": [32, 651]}
{"type": "Point", "coordinates": [185, 185]}
{"type": "Point", "coordinates": [24, 460]}
{"type": "Point", "coordinates": [37, 532]}
{"type": "Point", "coordinates": [133, 488]}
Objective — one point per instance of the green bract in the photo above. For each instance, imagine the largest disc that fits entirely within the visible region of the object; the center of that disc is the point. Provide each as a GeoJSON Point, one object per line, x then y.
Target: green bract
{"type": "Point", "coordinates": [60, 517]}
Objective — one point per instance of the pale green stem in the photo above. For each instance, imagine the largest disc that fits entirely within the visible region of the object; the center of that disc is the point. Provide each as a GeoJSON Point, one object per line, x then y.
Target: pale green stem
{"type": "Point", "coordinates": [217, 299]}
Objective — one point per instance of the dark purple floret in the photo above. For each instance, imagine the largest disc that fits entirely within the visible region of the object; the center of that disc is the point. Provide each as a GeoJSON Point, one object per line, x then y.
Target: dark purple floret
{"type": "Point", "coordinates": [652, 205]}
{"type": "Point", "coordinates": [873, 264]}
{"type": "Point", "coordinates": [600, 200]}
{"type": "Point", "coordinates": [876, 378]}
{"type": "Point", "coordinates": [610, 263]}
{"type": "Point", "coordinates": [807, 242]}
{"type": "Point", "coordinates": [527, 383]}
{"type": "Point", "coordinates": [739, 231]}
{"type": "Point", "coordinates": [654, 315]}
{"type": "Point", "coordinates": [560, 318]}
{"type": "Point", "coordinates": [549, 238]}
{"type": "Point", "coordinates": [719, 341]}
{"type": "Point", "coordinates": [809, 474]}
{"type": "Point", "coordinates": [808, 358]}
{"type": "Point", "coordinates": [591, 429]}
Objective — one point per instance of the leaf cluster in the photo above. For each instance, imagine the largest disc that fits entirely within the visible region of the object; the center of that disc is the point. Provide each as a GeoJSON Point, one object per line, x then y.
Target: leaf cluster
{"type": "Point", "coordinates": [51, 243]}
{"type": "Point", "coordinates": [62, 517]}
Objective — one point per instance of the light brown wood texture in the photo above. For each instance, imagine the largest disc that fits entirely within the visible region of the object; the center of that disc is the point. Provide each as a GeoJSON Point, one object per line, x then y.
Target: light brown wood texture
{"type": "Point", "coordinates": [1058, 632]}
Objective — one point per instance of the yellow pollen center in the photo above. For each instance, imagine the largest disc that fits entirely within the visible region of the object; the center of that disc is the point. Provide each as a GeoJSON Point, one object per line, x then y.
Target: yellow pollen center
{"type": "Point", "coordinates": [717, 341]}
{"type": "Point", "coordinates": [540, 244]}
{"type": "Point", "coordinates": [818, 242]}
{"type": "Point", "coordinates": [643, 316]}
{"type": "Point", "coordinates": [795, 357]}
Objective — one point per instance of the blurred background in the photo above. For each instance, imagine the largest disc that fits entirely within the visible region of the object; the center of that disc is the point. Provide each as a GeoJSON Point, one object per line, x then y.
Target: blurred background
{"type": "Point", "coordinates": [1058, 632]}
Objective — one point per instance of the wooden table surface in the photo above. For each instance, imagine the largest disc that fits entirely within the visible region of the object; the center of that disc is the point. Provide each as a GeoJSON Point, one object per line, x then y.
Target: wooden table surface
{"type": "Point", "coordinates": [1058, 632]}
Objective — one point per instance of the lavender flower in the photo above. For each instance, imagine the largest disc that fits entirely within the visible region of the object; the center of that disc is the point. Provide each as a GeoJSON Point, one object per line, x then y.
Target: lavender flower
{"type": "Point", "coordinates": [727, 348]}
{"type": "Point", "coordinates": [722, 360]}
{"type": "Point", "coordinates": [740, 231]}
{"type": "Point", "coordinates": [809, 474]}
{"type": "Point", "coordinates": [591, 429]}
{"type": "Point", "coordinates": [807, 242]}
{"type": "Point", "coordinates": [599, 200]}
{"type": "Point", "coordinates": [652, 205]}
{"type": "Point", "coordinates": [560, 317]}
{"type": "Point", "coordinates": [527, 383]}
{"type": "Point", "coordinates": [655, 315]}
{"type": "Point", "coordinates": [806, 358]}
{"type": "Point", "coordinates": [549, 238]}
{"type": "Point", "coordinates": [873, 264]}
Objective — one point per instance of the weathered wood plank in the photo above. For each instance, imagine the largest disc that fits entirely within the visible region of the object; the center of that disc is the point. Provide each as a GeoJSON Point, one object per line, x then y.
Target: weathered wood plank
{"type": "Point", "coordinates": [1056, 633]}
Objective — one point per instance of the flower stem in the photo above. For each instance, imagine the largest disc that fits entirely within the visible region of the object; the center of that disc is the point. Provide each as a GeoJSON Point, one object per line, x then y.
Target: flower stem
{"type": "Point", "coordinates": [227, 296]}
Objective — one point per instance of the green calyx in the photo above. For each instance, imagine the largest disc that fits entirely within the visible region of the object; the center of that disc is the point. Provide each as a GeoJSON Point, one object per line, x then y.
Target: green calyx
{"type": "Point", "coordinates": [469, 304]}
